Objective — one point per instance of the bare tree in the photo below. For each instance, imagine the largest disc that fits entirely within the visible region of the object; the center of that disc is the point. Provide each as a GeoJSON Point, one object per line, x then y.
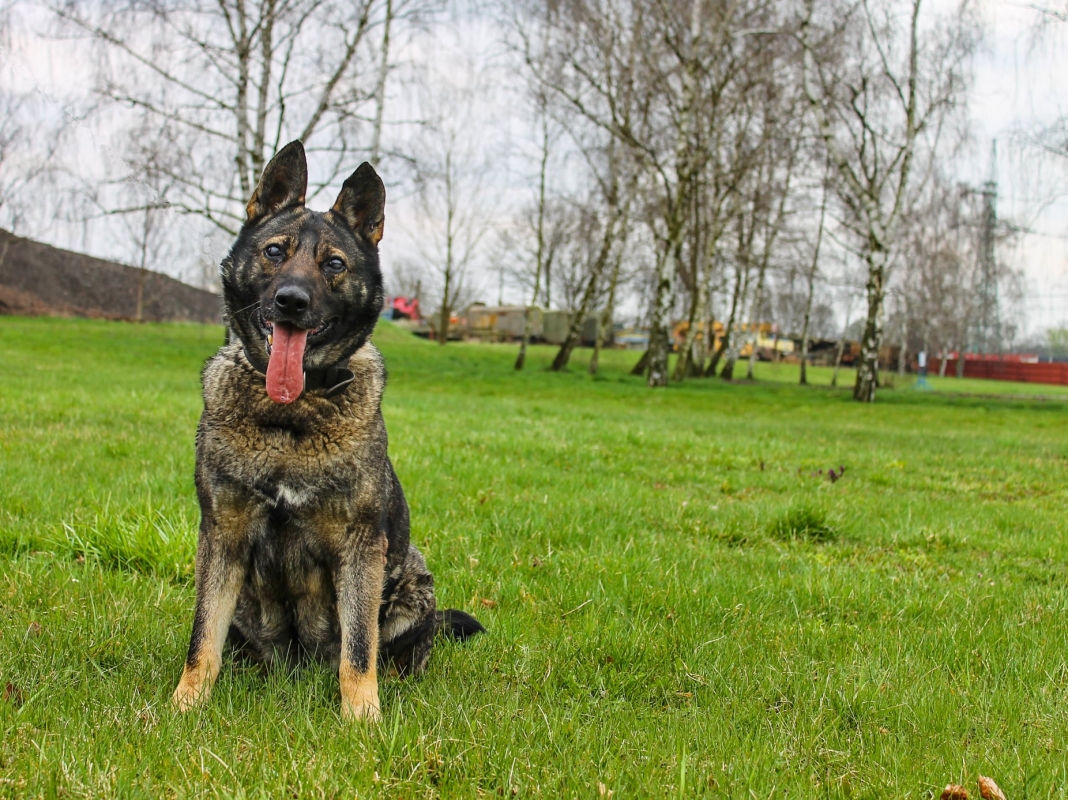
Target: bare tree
{"type": "Point", "coordinates": [678, 84]}
{"type": "Point", "coordinates": [542, 252]}
{"type": "Point", "coordinates": [24, 164]}
{"type": "Point", "coordinates": [774, 221]}
{"type": "Point", "coordinates": [877, 86]}
{"type": "Point", "coordinates": [380, 89]}
{"type": "Point", "coordinates": [616, 208]}
{"type": "Point", "coordinates": [224, 84]}
{"type": "Point", "coordinates": [406, 278]}
{"type": "Point", "coordinates": [811, 278]}
{"type": "Point", "coordinates": [451, 201]}
{"type": "Point", "coordinates": [623, 238]}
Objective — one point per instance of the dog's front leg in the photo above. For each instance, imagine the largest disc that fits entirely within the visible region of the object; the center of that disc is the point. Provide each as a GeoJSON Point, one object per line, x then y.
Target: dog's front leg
{"type": "Point", "coordinates": [220, 572]}
{"type": "Point", "coordinates": [359, 582]}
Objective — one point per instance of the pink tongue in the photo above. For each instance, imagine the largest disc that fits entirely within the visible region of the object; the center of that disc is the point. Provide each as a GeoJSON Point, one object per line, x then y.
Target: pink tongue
{"type": "Point", "coordinates": [285, 371]}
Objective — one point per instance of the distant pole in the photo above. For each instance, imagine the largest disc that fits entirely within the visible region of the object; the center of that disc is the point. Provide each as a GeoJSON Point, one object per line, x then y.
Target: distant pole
{"type": "Point", "coordinates": [987, 334]}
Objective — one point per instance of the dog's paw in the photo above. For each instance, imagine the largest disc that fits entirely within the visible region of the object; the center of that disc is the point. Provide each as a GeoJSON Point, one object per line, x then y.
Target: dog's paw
{"type": "Point", "coordinates": [188, 695]}
{"type": "Point", "coordinates": [359, 694]}
{"type": "Point", "coordinates": [362, 712]}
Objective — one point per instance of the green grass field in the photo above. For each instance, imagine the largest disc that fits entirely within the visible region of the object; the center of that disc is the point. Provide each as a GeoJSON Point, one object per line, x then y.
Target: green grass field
{"type": "Point", "coordinates": [679, 603]}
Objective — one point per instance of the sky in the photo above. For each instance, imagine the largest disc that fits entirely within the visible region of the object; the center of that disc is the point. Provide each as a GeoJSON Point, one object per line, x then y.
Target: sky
{"type": "Point", "coordinates": [1018, 86]}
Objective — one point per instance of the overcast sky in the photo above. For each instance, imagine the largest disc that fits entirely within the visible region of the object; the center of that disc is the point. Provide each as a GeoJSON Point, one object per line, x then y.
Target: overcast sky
{"type": "Point", "coordinates": [1020, 83]}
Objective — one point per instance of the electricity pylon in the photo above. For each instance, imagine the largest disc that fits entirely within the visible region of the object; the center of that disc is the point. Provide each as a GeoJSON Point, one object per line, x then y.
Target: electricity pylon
{"type": "Point", "coordinates": [986, 335]}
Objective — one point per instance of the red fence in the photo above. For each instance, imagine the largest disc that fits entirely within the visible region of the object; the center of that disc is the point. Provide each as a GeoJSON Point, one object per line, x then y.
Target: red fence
{"type": "Point", "coordinates": [1004, 371]}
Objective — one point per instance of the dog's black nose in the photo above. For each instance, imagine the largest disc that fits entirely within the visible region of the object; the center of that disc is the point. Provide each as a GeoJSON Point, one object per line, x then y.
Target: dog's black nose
{"type": "Point", "coordinates": [292, 300]}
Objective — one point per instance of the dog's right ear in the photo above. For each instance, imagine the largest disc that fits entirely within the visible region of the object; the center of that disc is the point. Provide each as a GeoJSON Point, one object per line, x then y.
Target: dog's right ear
{"type": "Point", "coordinates": [284, 183]}
{"type": "Point", "coordinates": [361, 203]}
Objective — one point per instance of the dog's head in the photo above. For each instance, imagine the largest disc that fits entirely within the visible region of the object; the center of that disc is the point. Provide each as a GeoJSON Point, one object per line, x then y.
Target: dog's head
{"type": "Point", "coordinates": [303, 289]}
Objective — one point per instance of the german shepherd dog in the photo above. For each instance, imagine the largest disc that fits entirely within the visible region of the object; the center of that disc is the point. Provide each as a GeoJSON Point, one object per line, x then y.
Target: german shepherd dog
{"type": "Point", "coordinates": [303, 550]}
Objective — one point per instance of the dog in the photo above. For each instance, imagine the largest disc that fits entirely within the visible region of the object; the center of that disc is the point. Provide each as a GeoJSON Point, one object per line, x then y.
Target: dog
{"type": "Point", "coordinates": [303, 551]}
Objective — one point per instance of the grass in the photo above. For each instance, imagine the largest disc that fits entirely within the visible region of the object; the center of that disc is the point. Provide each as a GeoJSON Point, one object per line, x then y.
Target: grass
{"type": "Point", "coordinates": [679, 602]}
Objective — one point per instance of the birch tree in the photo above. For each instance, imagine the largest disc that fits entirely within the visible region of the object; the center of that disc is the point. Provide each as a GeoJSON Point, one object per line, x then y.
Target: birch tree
{"type": "Point", "coordinates": [810, 278]}
{"type": "Point", "coordinates": [543, 249]}
{"type": "Point", "coordinates": [225, 83]}
{"type": "Point", "coordinates": [663, 80]}
{"type": "Point", "coordinates": [880, 86]}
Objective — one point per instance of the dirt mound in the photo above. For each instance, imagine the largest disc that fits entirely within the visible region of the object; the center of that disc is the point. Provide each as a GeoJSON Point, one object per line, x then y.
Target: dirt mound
{"type": "Point", "coordinates": [37, 279]}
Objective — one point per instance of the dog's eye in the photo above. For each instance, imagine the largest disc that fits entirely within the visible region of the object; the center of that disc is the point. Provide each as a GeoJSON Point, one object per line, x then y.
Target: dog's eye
{"type": "Point", "coordinates": [334, 266]}
{"type": "Point", "coordinates": [273, 251]}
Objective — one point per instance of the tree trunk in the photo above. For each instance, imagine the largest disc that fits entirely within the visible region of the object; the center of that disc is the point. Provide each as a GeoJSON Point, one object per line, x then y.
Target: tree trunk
{"type": "Point", "coordinates": [443, 317]}
{"type": "Point", "coordinates": [725, 342]}
{"type": "Point", "coordinates": [698, 293]}
{"type": "Point", "coordinates": [607, 240]}
{"type": "Point", "coordinates": [642, 365]}
{"type": "Point", "coordinates": [521, 358]}
{"type": "Point", "coordinates": [868, 367]}
{"type": "Point", "coordinates": [139, 314]}
{"type": "Point", "coordinates": [812, 283]}
{"type": "Point", "coordinates": [575, 330]}
{"type": "Point", "coordinates": [380, 89]}
{"type": "Point", "coordinates": [903, 352]}
{"type": "Point", "coordinates": [755, 318]}
{"type": "Point", "coordinates": [605, 319]}
{"type": "Point", "coordinates": [838, 360]}
{"type": "Point", "coordinates": [732, 348]}
{"type": "Point", "coordinates": [727, 373]}
{"type": "Point", "coordinates": [698, 301]}
{"type": "Point", "coordinates": [659, 335]}
{"type": "Point", "coordinates": [659, 338]}
{"type": "Point", "coordinates": [443, 326]}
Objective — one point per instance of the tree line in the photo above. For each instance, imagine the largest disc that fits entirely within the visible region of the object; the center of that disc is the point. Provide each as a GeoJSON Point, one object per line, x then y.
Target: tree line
{"type": "Point", "coordinates": [740, 161]}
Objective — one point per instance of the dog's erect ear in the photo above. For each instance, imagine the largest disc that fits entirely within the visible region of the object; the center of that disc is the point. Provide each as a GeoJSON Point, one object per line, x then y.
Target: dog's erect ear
{"type": "Point", "coordinates": [284, 183]}
{"type": "Point", "coordinates": [362, 202]}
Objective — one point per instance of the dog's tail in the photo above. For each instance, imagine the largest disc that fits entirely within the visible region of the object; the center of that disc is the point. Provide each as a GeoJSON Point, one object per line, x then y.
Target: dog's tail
{"type": "Point", "coordinates": [458, 625]}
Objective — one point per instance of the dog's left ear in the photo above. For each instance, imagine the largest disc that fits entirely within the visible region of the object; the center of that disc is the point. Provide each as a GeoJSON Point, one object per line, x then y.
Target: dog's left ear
{"type": "Point", "coordinates": [362, 202]}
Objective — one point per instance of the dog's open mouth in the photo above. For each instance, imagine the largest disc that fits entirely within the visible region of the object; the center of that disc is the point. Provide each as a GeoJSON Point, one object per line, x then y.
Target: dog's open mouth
{"type": "Point", "coordinates": [285, 351]}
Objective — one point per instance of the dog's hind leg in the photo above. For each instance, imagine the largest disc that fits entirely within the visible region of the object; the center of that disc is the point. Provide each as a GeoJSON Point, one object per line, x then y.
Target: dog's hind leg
{"type": "Point", "coordinates": [409, 618]}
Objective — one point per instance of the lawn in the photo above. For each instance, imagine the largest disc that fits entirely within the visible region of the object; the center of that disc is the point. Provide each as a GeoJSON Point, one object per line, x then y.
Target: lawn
{"type": "Point", "coordinates": [680, 602]}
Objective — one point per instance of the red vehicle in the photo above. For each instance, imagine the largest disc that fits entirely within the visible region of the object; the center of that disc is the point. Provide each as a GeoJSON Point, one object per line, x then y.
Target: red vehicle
{"type": "Point", "coordinates": [406, 308]}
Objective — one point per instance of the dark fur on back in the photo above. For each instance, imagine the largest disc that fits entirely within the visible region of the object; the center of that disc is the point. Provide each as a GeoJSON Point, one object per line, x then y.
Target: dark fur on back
{"type": "Point", "coordinates": [304, 545]}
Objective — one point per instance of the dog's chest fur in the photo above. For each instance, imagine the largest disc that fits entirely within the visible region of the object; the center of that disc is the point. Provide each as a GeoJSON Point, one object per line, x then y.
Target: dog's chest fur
{"type": "Point", "coordinates": [301, 453]}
